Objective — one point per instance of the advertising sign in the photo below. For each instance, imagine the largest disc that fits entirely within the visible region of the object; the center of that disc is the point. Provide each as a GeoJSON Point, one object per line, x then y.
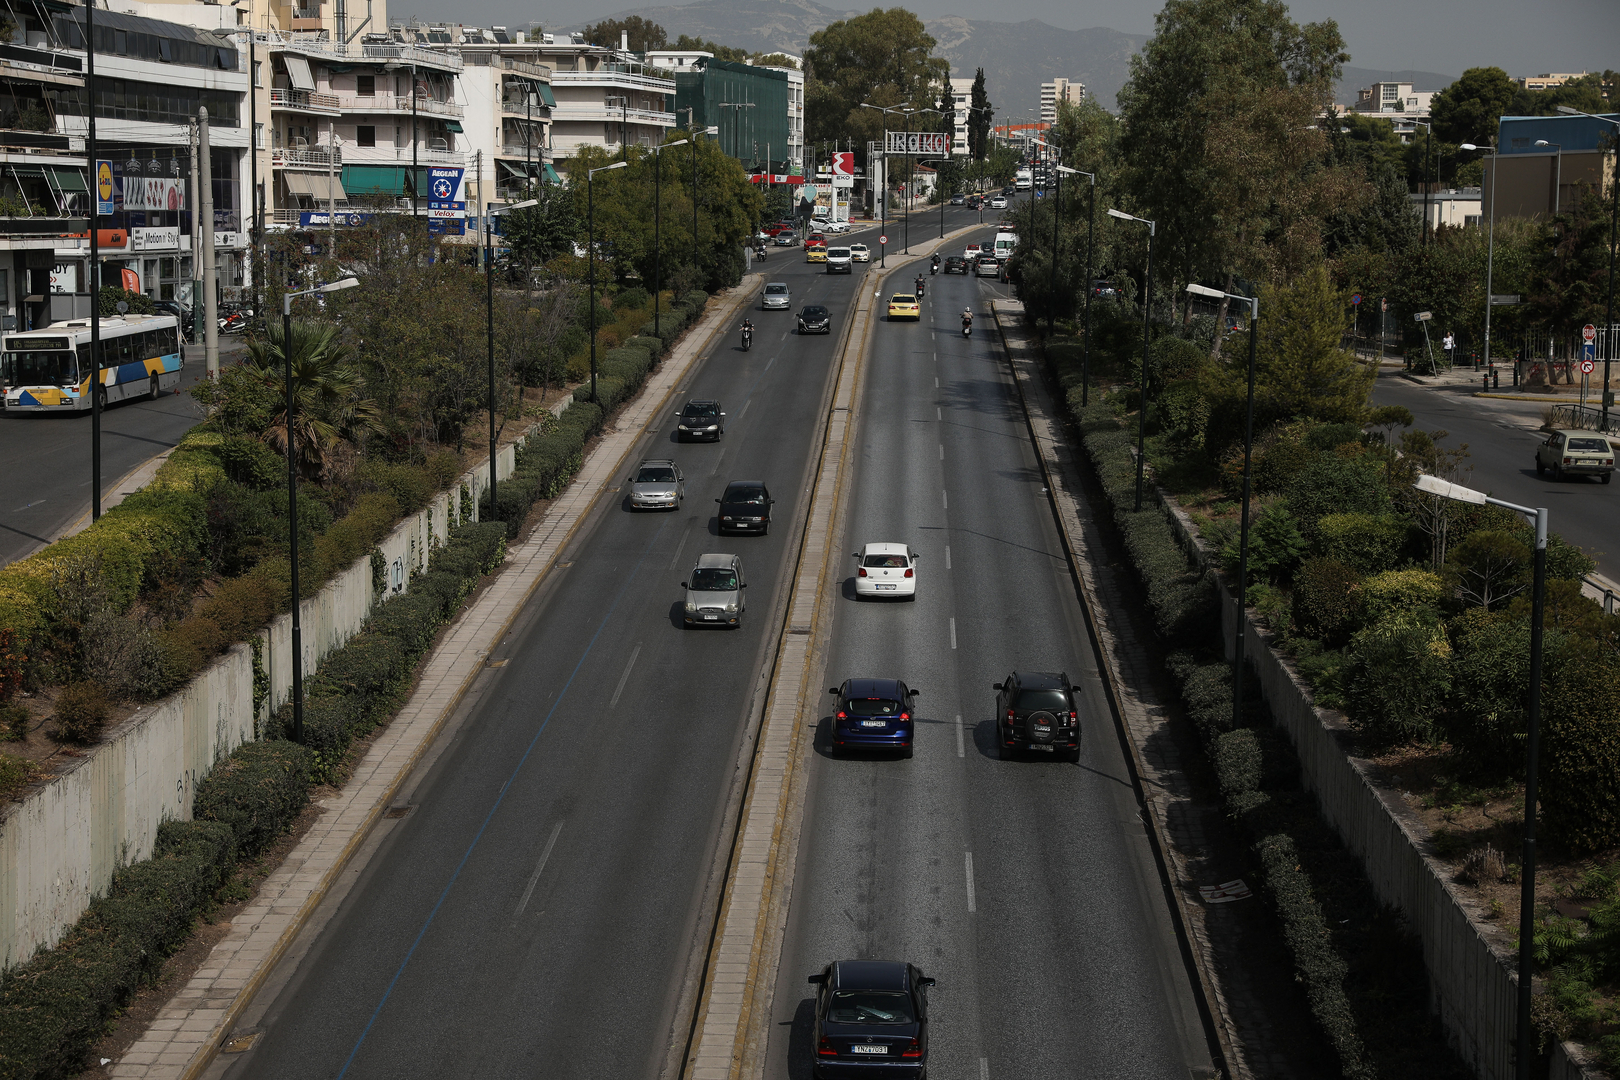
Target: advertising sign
{"type": "Point", "coordinates": [446, 197]}
{"type": "Point", "coordinates": [104, 188]}
{"type": "Point", "coordinates": [65, 278]}
{"type": "Point", "coordinates": [843, 164]}
{"type": "Point", "coordinates": [310, 218]}
{"type": "Point", "coordinates": [159, 239]}
{"type": "Point", "coordinates": [154, 193]}
{"type": "Point", "coordinates": [130, 280]}
{"type": "Point", "coordinates": [918, 142]}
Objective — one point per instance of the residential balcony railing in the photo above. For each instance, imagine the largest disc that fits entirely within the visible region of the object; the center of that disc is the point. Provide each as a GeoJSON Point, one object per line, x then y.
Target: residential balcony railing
{"type": "Point", "coordinates": [515, 107]}
{"type": "Point", "coordinates": [537, 154]}
{"type": "Point", "coordinates": [318, 45]}
{"type": "Point", "coordinates": [306, 155]}
{"type": "Point", "coordinates": [305, 100]}
{"type": "Point", "coordinates": [398, 103]}
{"type": "Point", "coordinates": [609, 77]}
{"type": "Point", "coordinates": [595, 112]}
{"type": "Point", "coordinates": [400, 155]}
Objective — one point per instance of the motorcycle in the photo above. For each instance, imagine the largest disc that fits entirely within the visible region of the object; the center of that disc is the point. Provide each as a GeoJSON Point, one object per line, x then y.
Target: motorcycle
{"type": "Point", "coordinates": [967, 327]}
{"type": "Point", "coordinates": [933, 267]}
{"type": "Point", "coordinates": [759, 252]}
{"type": "Point", "coordinates": [919, 287]}
{"type": "Point", "coordinates": [236, 322]}
{"type": "Point", "coordinates": [747, 337]}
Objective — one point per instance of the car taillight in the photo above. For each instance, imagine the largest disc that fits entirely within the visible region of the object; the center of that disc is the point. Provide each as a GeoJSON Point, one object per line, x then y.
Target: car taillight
{"type": "Point", "coordinates": [1568, 460]}
{"type": "Point", "coordinates": [1072, 717]}
{"type": "Point", "coordinates": [825, 1048]}
{"type": "Point", "coordinates": [914, 1050]}
{"type": "Point", "coordinates": [909, 573]}
{"type": "Point", "coordinates": [842, 715]}
{"type": "Point", "coordinates": [1009, 716]}
{"type": "Point", "coordinates": [861, 572]}
{"type": "Point", "coordinates": [905, 716]}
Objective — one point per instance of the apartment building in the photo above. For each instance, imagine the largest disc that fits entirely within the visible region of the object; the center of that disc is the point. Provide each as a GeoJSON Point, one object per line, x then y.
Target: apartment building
{"type": "Point", "coordinates": [605, 97]}
{"type": "Point", "coordinates": [794, 70]}
{"type": "Point", "coordinates": [1549, 80]}
{"type": "Point", "coordinates": [961, 98]}
{"type": "Point", "coordinates": [507, 92]}
{"type": "Point", "coordinates": [1059, 90]}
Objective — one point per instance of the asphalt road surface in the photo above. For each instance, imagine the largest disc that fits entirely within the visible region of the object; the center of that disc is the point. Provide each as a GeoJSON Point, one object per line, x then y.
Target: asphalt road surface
{"type": "Point", "coordinates": [35, 448]}
{"type": "Point", "coordinates": [1028, 887]}
{"type": "Point", "coordinates": [1502, 437]}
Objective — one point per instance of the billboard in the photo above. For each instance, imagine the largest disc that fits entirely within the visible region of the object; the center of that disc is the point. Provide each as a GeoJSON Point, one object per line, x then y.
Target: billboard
{"type": "Point", "coordinates": [154, 193]}
{"type": "Point", "coordinates": [936, 143]}
{"type": "Point", "coordinates": [446, 197]}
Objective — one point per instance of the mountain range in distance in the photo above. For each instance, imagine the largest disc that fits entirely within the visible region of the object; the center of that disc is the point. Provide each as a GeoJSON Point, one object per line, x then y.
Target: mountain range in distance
{"type": "Point", "coordinates": [1016, 57]}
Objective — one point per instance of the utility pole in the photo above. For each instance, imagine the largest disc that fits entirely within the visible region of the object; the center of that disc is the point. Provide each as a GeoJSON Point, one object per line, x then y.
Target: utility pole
{"type": "Point", "coordinates": [93, 385]}
{"type": "Point", "coordinates": [196, 243]}
{"type": "Point", "coordinates": [210, 285]}
{"type": "Point", "coordinates": [331, 189]}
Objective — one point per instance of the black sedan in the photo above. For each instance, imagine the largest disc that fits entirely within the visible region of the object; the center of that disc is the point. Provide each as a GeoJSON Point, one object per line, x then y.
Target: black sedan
{"type": "Point", "coordinates": [955, 264]}
{"type": "Point", "coordinates": [815, 319]}
{"type": "Point", "coordinates": [871, 1020]}
{"type": "Point", "coordinates": [745, 507]}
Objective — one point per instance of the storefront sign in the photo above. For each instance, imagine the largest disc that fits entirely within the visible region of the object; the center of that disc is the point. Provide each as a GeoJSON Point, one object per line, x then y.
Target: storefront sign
{"type": "Point", "coordinates": [65, 278]}
{"type": "Point", "coordinates": [154, 193]}
{"type": "Point", "coordinates": [318, 218]}
{"type": "Point", "coordinates": [160, 239]}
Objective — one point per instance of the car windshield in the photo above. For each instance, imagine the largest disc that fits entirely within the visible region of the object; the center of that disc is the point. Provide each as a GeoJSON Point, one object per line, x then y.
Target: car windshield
{"type": "Point", "coordinates": [752, 495]}
{"type": "Point", "coordinates": [1050, 700]}
{"type": "Point", "coordinates": [661, 474]}
{"type": "Point", "coordinates": [699, 410]}
{"type": "Point", "coordinates": [885, 560]}
{"type": "Point", "coordinates": [870, 1007]}
{"type": "Point", "coordinates": [815, 312]}
{"type": "Point", "coordinates": [38, 368]}
{"type": "Point", "coordinates": [1600, 446]}
{"type": "Point", "coordinates": [776, 290]}
{"type": "Point", "coordinates": [713, 579]}
{"type": "Point", "coordinates": [838, 253]}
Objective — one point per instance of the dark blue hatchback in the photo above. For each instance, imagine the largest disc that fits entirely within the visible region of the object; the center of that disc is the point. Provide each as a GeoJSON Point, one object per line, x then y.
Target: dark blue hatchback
{"type": "Point", "coordinates": [873, 713]}
{"type": "Point", "coordinates": [871, 1020]}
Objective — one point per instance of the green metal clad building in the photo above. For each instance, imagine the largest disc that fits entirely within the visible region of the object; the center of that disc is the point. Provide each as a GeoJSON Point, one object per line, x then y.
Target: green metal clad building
{"type": "Point", "coordinates": [756, 136]}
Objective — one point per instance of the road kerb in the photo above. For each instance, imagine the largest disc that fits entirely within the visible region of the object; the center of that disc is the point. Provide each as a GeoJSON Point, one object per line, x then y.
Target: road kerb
{"type": "Point", "coordinates": [266, 930]}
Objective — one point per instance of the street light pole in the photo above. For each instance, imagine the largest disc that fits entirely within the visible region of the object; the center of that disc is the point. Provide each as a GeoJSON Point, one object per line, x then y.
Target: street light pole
{"type": "Point", "coordinates": [1524, 1050]}
{"type": "Point", "coordinates": [1091, 271]}
{"type": "Point", "coordinates": [1490, 246]}
{"type": "Point", "coordinates": [292, 494]}
{"type": "Point", "coordinates": [489, 302]}
{"type": "Point", "coordinates": [590, 239]}
{"type": "Point", "coordinates": [883, 190]}
{"type": "Point", "coordinates": [658, 204]}
{"type": "Point", "coordinates": [1147, 307]}
{"type": "Point", "coordinates": [1614, 226]}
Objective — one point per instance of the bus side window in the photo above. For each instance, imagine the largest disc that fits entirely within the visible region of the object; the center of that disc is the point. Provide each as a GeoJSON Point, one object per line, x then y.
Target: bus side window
{"type": "Point", "coordinates": [171, 341]}
{"type": "Point", "coordinates": [149, 344]}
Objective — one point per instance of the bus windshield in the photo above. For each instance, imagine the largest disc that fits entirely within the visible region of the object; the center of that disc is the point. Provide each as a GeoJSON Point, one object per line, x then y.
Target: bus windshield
{"type": "Point", "coordinates": [40, 368]}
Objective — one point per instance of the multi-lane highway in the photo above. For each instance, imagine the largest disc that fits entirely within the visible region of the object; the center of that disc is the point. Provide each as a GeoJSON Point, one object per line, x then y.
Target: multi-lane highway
{"type": "Point", "coordinates": [1026, 888]}
{"type": "Point", "coordinates": [544, 906]}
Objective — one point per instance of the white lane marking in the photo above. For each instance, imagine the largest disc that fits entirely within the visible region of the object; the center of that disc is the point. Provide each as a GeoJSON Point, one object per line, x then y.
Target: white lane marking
{"type": "Point", "coordinates": [937, 414]}
{"type": "Point", "coordinates": [744, 409]}
{"type": "Point", "coordinates": [947, 556]}
{"type": "Point", "coordinates": [942, 451]}
{"type": "Point", "coordinates": [961, 749]}
{"type": "Point", "coordinates": [971, 905]}
{"type": "Point", "coordinates": [541, 865]}
{"type": "Point", "coordinates": [673, 559]}
{"type": "Point", "coordinates": [717, 461]}
{"type": "Point", "coordinates": [936, 386]}
{"type": "Point", "coordinates": [953, 632]}
{"type": "Point", "coordinates": [626, 676]}
{"type": "Point", "coordinates": [984, 1069]}
{"type": "Point", "coordinates": [945, 500]}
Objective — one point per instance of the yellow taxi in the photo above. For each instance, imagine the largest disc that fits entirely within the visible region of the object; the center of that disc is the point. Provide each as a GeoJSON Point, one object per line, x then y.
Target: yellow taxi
{"type": "Point", "coordinates": [904, 306]}
{"type": "Point", "coordinates": [815, 254]}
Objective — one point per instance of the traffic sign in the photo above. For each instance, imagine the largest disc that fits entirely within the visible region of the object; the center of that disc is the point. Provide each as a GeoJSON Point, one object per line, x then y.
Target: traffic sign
{"type": "Point", "coordinates": [1588, 332]}
{"type": "Point", "coordinates": [1356, 298]}
{"type": "Point", "coordinates": [883, 239]}
{"type": "Point", "coordinates": [1423, 316]}
{"type": "Point", "coordinates": [1586, 367]}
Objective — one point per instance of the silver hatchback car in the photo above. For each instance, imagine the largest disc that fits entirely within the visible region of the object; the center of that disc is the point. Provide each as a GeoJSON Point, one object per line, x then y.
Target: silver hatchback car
{"type": "Point", "coordinates": [714, 592]}
{"type": "Point", "coordinates": [776, 297]}
{"type": "Point", "coordinates": [657, 485]}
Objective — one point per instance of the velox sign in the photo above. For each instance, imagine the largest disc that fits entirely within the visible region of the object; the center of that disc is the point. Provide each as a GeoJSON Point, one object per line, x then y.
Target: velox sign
{"type": "Point", "coordinates": [154, 193]}
{"type": "Point", "coordinates": [918, 142]}
{"type": "Point", "coordinates": [445, 196]}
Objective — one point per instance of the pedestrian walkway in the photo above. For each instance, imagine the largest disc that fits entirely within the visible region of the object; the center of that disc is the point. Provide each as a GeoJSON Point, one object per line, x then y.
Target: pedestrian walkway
{"type": "Point", "coordinates": [191, 1028]}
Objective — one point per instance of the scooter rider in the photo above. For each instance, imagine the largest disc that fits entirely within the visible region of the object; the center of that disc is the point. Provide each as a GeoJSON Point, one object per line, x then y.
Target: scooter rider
{"type": "Point", "coordinates": [748, 333]}
{"type": "Point", "coordinates": [933, 266]}
{"type": "Point", "coordinates": [920, 284]}
{"type": "Point", "coordinates": [967, 320]}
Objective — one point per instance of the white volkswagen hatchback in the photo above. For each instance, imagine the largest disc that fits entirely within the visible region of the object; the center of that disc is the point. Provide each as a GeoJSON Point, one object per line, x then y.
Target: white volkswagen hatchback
{"type": "Point", "coordinates": [886, 570]}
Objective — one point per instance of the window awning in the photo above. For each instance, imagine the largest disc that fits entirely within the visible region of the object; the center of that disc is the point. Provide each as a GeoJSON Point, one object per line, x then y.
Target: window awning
{"type": "Point", "coordinates": [547, 96]}
{"type": "Point", "coordinates": [453, 125]}
{"type": "Point", "coordinates": [67, 179]}
{"type": "Point", "coordinates": [512, 168]}
{"type": "Point", "coordinates": [383, 180]}
{"type": "Point", "coordinates": [551, 176]}
{"type": "Point", "coordinates": [301, 183]}
{"type": "Point", "coordinates": [325, 190]}
{"type": "Point", "coordinates": [33, 172]}
{"type": "Point", "coordinates": [298, 73]}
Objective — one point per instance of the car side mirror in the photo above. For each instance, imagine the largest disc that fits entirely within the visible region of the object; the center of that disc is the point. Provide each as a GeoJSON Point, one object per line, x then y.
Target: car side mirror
{"type": "Point", "coordinates": [927, 981]}
{"type": "Point", "coordinates": [819, 980]}
{"type": "Point", "coordinates": [717, 500]}
{"type": "Point", "coordinates": [744, 585]}
{"type": "Point", "coordinates": [854, 554]}
{"type": "Point", "coordinates": [1076, 689]}
{"type": "Point", "coordinates": [997, 686]}
{"type": "Point", "coordinates": [684, 585]}
{"type": "Point", "coordinates": [832, 689]}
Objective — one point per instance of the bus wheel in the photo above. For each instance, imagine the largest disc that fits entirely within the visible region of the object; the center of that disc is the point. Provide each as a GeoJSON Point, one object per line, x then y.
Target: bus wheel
{"type": "Point", "coordinates": [101, 398]}
{"type": "Point", "coordinates": [155, 392]}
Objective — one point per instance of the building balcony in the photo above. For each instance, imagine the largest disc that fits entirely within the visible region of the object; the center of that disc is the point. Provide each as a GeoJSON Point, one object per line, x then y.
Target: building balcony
{"type": "Point", "coordinates": [537, 154]}
{"type": "Point", "coordinates": [593, 112]}
{"type": "Point", "coordinates": [514, 107]}
{"type": "Point", "coordinates": [306, 157]}
{"type": "Point", "coordinates": [397, 104]}
{"type": "Point", "coordinates": [400, 155]}
{"type": "Point", "coordinates": [305, 101]}
{"type": "Point", "coordinates": [604, 76]}
{"type": "Point", "coordinates": [320, 47]}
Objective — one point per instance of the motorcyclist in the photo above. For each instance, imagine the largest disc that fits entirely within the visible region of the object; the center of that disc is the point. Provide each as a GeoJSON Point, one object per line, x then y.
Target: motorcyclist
{"type": "Point", "coordinates": [920, 284]}
{"type": "Point", "coordinates": [967, 318]}
{"type": "Point", "coordinates": [933, 267]}
{"type": "Point", "coordinates": [747, 332]}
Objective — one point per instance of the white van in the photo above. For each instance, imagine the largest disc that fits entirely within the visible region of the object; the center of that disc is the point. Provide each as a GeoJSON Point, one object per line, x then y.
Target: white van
{"type": "Point", "coordinates": [1004, 244]}
{"type": "Point", "coordinates": [839, 261]}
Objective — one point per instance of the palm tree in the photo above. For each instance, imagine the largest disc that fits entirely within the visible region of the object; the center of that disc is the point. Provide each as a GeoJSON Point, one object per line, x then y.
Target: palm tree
{"type": "Point", "coordinates": [332, 405]}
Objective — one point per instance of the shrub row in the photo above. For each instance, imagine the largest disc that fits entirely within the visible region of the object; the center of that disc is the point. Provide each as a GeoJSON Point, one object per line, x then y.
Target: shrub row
{"type": "Point", "coordinates": [545, 464]}
{"type": "Point", "coordinates": [619, 374]}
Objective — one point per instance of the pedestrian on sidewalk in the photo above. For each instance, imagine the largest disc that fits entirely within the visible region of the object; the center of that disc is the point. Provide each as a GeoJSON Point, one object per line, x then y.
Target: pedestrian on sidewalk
{"type": "Point", "coordinates": [1451, 348]}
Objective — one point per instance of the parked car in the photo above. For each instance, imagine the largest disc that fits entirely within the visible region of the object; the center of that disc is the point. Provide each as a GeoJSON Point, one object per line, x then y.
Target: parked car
{"type": "Point", "coordinates": [835, 227]}
{"type": "Point", "coordinates": [657, 485]}
{"type": "Point", "coordinates": [815, 319]}
{"type": "Point", "coordinates": [860, 253]}
{"type": "Point", "coordinates": [745, 507]}
{"type": "Point", "coordinates": [875, 713]}
{"type": "Point", "coordinates": [776, 297]}
{"type": "Point", "coordinates": [904, 306]}
{"type": "Point", "coordinates": [884, 569]}
{"type": "Point", "coordinates": [1038, 710]}
{"type": "Point", "coordinates": [958, 200]}
{"type": "Point", "coordinates": [714, 592]}
{"type": "Point", "coordinates": [1576, 453]}
{"type": "Point", "coordinates": [955, 264]}
{"type": "Point", "coordinates": [701, 419]}
{"type": "Point", "coordinates": [871, 1020]}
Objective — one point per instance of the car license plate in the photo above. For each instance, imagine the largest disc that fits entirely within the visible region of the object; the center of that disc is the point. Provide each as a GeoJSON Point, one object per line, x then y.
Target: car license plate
{"type": "Point", "coordinates": [883, 587]}
{"type": "Point", "coordinates": [1040, 746]}
{"type": "Point", "coordinates": [863, 1049]}
{"type": "Point", "coordinates": [711, 618]}
{"type": "Point", "coordinates": [873, 723]}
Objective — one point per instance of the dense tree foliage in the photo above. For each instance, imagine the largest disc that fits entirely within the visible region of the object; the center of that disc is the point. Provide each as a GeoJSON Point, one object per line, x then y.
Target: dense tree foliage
{"type": "Point", "coordinates": [645, 35]}
{"type": "Point", "coordinates": [883, 58]}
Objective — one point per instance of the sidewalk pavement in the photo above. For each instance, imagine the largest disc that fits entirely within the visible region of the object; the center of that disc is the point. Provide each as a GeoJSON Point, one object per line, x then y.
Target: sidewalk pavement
{"type": "Point", "coordinates": [192, 1027]}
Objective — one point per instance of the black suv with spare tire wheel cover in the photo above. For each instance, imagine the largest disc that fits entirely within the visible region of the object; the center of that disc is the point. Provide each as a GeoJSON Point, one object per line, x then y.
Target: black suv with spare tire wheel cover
{"type": "Point", "coordinates": [1038, 710]}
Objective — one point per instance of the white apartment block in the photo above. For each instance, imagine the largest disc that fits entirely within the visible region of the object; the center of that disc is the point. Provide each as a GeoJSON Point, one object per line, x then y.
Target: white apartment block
{"type": "Point", "coordinates": [605, 97]}
{"type": "Point", "coordinates": [961, 98]}
{"type": "Point", "coordinates": [795, 73]}
{"type": "Point", "coordinates": [1059, 90]}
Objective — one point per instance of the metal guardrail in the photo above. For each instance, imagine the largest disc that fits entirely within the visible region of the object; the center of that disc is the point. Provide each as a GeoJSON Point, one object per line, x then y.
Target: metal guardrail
{"type": "Point", "coordinates": [1608, 596]}
{"type": "Point", "coordinates": [1588, 418]}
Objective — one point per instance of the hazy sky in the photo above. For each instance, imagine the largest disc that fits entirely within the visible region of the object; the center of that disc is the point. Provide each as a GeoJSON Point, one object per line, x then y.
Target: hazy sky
{"type": "Point", "coordinates": [1526, 37]}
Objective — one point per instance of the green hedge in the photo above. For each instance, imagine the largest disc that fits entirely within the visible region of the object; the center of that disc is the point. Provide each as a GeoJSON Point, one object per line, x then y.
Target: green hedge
{"type": "Point", "coordinates": [545, 464]}
{"type": "Point", "coordinates": [54, 1007]}
{"type": "Point", "coordinates": [259, 790]}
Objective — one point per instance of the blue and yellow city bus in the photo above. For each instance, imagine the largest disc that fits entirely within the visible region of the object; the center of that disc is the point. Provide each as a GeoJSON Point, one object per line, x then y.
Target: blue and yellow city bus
{"type": "Point", "coordinates": [49, 370]}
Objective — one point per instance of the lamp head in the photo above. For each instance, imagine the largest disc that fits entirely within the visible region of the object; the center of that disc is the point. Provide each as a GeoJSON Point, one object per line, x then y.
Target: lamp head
{"type": "Point", "coordinates": [1122, 215]}
{"type": "Point", "coordinates": [1568, 110]}
{"type": "Point", "coordinates": [1543, 142]}
{"type": "Point", "coordinates": [1205, 290]}
{"type": "Point", "coordinates": [1433, 485]}
{"type": "Point", "coordinates": [677, 142]}
{"type": "Point", "coordinates": [340, 284]}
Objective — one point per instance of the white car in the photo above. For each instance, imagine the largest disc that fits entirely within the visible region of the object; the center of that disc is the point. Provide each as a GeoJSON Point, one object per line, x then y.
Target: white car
{"type": "Point", "coordinates": [972, 252]}
{"type": "Point", "coordinates": [886, 570]}
{"type": "Point", "coordinates": [860, 253]}
{"type": "Point", "coordinates": [834, 226]}
{"type": "Point", "coordinates": [998, 203]}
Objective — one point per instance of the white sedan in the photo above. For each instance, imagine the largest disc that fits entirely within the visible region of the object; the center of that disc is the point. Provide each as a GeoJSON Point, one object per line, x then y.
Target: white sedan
{"type": "Point", "coordinates": [886, 570]}
{"type": "Point", "coordinates": [860, 253]}
{"type": "Point", "coordinates": [835, 226]}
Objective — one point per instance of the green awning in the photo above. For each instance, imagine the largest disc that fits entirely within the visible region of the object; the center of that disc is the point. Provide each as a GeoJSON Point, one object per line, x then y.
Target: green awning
{"type": "Point", "coordinates": [513, 169]}
{"type": "Point", "coordinates": [67, 179]}
{"type": "Point", "coordinates": [33, 172]}
{"type": "Point", "coordinates": [453, 125]}
{"type": "Point", "coordinates": [547, 96]}
{"type": "Point", "coordinates": [551, 176]}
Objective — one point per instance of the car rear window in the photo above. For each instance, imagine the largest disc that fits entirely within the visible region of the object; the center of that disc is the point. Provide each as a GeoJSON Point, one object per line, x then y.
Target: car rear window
{"type": "Point", "coordinates": [838, 253]}
{"type": "Point", "coordinates": [874, 707]}
{"type": "Point", "coordinates": [744, 495]}
{"type": "Point", "coordinates": [713, 579]}
{"type": "Point", "coordinates": [901, 298]}
{"type": "Point", "coordinates": [660, 475]}
{"type": "Point", "coordinates": [1591, 446]}
{"type": "Point", "coordinates": [1050, 700]}
{"type": "Point", "coordinates": [886, 560]}
{"type": "Point", "coordinates": [870, 1007]}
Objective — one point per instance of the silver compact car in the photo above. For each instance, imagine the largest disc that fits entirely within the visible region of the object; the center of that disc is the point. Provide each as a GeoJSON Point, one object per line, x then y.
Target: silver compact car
{"type": "Point", "coordinates": [657, 485]}
{"type": "Point", "coordinates": [776, 297]}
{"type": "Point", "coordinates": [714, 592]}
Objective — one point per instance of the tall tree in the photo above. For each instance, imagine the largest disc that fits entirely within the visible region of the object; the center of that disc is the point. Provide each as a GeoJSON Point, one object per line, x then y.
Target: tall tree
{"type": "Point", "coordinates": [645, 34]}
{"type": "Point", "coordinates": [980, 118]}
{"type": "Point", "coordinates": [687, 43]}
{"type": "Point", "coordinates": [884, 58]}
{"type": "Point", "coordinates": [1468, 109]}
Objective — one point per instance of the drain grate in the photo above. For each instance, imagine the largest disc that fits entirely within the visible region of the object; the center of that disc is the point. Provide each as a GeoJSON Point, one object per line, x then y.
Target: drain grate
{"type": "Point", "coordinates": [240, 1042]}
{"type": "Point", "coordinates": [398, 811]}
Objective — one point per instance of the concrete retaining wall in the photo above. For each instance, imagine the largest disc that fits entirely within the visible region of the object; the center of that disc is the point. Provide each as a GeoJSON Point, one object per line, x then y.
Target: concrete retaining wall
{"type": "Point", "coordinates": [60, 845]}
